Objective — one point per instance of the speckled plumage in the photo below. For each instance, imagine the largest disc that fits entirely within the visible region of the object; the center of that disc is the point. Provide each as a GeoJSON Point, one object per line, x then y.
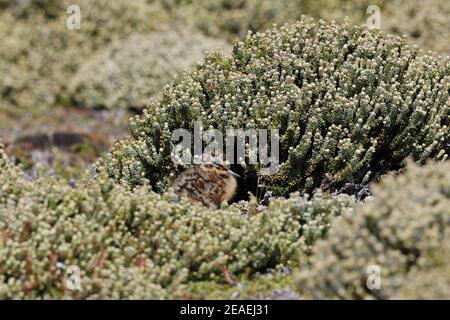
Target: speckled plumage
{"type": "Point", "coordinates": [209, 184]}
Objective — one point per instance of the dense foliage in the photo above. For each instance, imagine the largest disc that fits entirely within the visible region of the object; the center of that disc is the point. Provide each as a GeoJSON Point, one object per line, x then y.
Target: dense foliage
{"type": "Point", "coordinates": [405, 231]}
{"type": "Point", "coordinates": [137, 244]}
{"type": "Point", "coordinates": [350, 104]}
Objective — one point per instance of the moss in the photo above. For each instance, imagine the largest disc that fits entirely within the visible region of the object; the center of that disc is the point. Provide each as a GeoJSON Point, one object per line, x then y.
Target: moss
{"type": "Point", "coordinates": [258, 287]}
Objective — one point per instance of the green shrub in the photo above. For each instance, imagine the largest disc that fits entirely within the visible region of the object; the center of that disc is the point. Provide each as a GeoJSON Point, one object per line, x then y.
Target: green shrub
{"type": "Point", "coordinates": [404, 231]}
{"type": "Point", "coordinates": [430, 278]}
{"type": "Point", "coordinates": [136, 244]}
{"type": "Point", "coordinates": [350, 104]}
{"type": "Point", "coordinates": [128, 73]}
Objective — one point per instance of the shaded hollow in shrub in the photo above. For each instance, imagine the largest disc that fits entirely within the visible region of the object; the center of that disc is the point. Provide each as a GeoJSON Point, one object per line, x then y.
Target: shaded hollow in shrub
{"type": "Point", "coordinates": [350, 104]}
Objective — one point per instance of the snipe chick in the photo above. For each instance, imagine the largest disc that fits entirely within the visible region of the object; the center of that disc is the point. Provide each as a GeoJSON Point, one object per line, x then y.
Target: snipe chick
{"type": "Point", "coordinates": [210, 184]}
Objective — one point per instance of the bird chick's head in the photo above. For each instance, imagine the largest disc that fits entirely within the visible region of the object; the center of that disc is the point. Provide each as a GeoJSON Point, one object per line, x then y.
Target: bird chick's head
{"type": "Point", "coordinates": [225, 179]}
{"type": "Point", "coordinates": [222, 169]}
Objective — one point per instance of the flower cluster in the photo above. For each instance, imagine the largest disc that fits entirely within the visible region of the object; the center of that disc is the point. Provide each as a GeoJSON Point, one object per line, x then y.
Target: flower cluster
{"type": "Point", "coordinates": [350, 104]}
{"type": "Point", "coordinates": [404, 231]}
{"type": "Point", "coordinates": [137, 244]}
{"type": "Point", "coordinates": [129, 72]}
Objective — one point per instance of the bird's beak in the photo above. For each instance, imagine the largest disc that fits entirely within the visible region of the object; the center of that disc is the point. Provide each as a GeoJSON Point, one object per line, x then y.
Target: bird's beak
{"type": "Point", "coordinates": [234, 174]}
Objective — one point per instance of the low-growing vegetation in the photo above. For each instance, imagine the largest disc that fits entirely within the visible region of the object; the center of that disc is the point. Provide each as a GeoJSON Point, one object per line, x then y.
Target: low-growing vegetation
{"type": "Point", "coordinates": [137, 244]}
{"type": "Point", "coordinates": [404, 232]}
{"type": "Point", "coordinates": [127, 74]}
